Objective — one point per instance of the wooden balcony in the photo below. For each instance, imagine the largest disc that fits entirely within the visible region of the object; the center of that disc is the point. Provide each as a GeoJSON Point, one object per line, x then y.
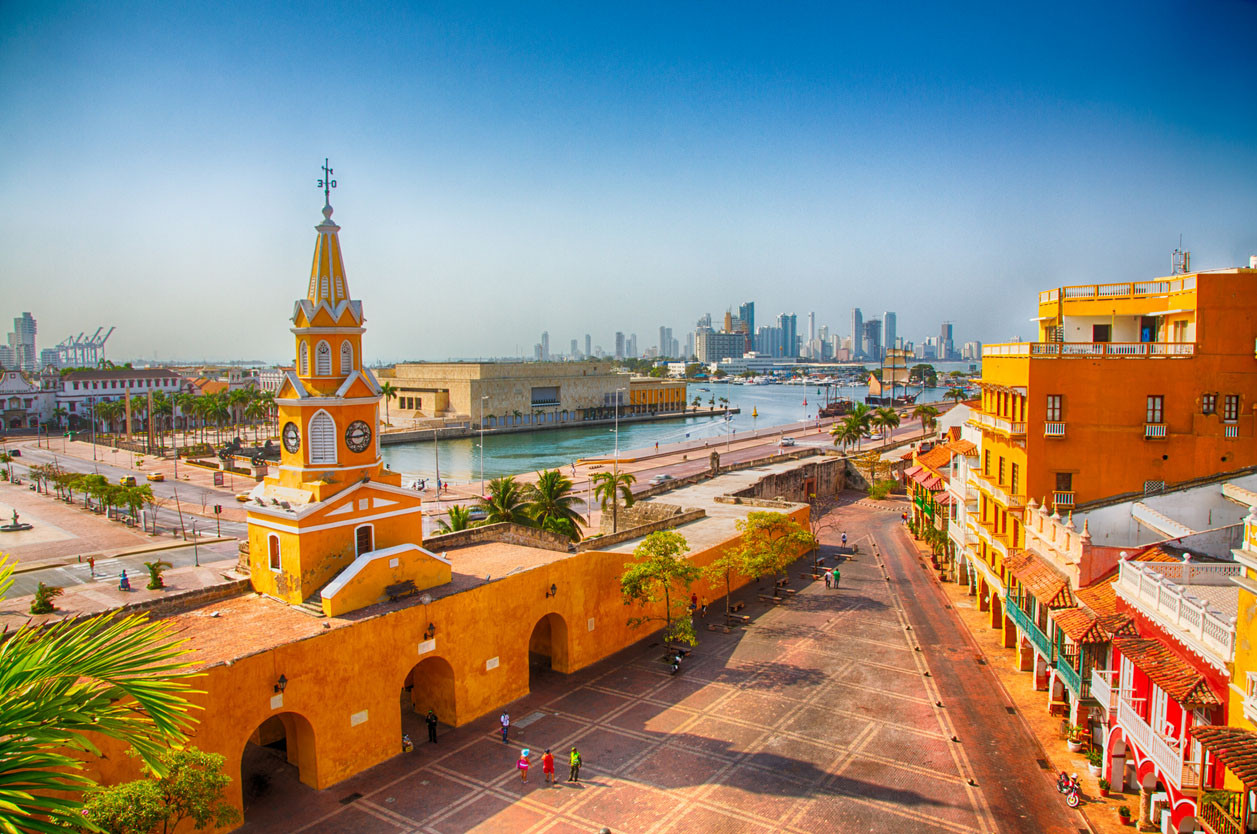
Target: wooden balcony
{"type": "Point", "coordinates": [1221, 815]}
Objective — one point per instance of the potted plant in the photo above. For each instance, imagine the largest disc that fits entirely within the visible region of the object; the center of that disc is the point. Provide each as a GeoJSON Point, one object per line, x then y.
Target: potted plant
{"type": "Point", "coordinates": [1123, 813]}
{"type": "Point", "coordinates": [1104, 786]}
{"type": "Point", "coordinates": [1073, 738]}
{"type": "Point", "coordinates": [1094, 759]}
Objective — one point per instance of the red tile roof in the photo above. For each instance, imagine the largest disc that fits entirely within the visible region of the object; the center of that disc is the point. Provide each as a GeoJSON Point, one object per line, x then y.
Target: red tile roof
{"type": "Point", "coordinates": [936, 458]}
{"type": "Point", "coordinates": [964, 447]}
{"type": "Point", "coordinates": [1100, 598]}
{"type": "Point", "coordinates": [1168, 671]}
{"type": "Point", "coordinates": [1235, 748]}
{"type": "Point", "coordinates": [1083, 627]}
{"type": "Point", "coordinates": [1044, 583]}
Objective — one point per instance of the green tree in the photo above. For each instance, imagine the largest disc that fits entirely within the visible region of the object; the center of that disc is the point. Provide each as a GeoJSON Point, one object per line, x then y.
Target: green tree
{"type": "Point", "coordinates": [927, 414]}
{"type": "Point", "coordinates": [885, 419]}
{"type": "Point", "coordinates": [730, 564]}
{"type": "Point", "coordinates": [661, 574]}
{"type": "Point", "coordinates": [697, 402]}
{"type": "Point", "coordinates": [770, 542]}
{"type": "Point", "coordinates": [692, 369]}
{"type": "Point", "coordinates": [609, 488]}
{"type": "Point", "coordinates": [388, 391]}
{"type": "Point", "coordinates": [63, 684]}
{"type": "Point", "coordinates": [189, 786]}
{"type": "Point", "coordinates": [862, 415]}
{"type": "Point", "coordinates": [551, 504]}
{"type": "Point", "coordinates": [155, 570]}
{"type": "Point", "coordinates": [956, 395]}
{"type": "Point", "coordinates": [845, 432]}
{"type": "Point", "coordinates": [507, 501]}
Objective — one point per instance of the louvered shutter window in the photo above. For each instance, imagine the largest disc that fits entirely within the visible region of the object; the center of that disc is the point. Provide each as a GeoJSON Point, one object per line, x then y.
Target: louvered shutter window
{"type": "Point", "coordinates": [346, 358]}
{"type": "Point", "coordinates": [323, 360]}
{"type": "Point", "coordinates": [322, 438]}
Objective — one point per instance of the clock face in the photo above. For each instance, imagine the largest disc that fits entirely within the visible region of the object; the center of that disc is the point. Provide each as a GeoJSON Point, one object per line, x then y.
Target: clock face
{"type": "Point", "coordinates": [358, 436]}
{"type": "Point", "coordinates": [292, 438]}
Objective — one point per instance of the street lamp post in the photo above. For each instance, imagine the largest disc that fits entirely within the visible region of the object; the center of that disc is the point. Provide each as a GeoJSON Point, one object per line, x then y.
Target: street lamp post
{"type": "Point", "coordinates": [616, 463]}
{"type": "Point", "coordinates": [436, 450]}
{"type": "Point", "coordinates": [482, 399]}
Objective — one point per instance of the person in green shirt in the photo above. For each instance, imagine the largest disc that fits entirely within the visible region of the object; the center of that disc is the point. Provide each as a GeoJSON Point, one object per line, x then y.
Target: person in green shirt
{"type": "Point", "coordinates": [837, 576]}
{"type": "Point", "coordinates": [574, 762]}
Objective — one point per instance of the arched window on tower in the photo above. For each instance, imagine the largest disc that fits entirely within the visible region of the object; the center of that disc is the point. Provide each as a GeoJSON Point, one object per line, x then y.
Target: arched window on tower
{"type": "Point", "coordinates": [323, 360]}
{"type": "Point", "coordinates": [346, 358]}
{"type": "Point", "coordinates": [303, 363]}
{"type": "Point", "coordinates": [272, 542]}
{"type": "Point", "coordinates": [322, 438]}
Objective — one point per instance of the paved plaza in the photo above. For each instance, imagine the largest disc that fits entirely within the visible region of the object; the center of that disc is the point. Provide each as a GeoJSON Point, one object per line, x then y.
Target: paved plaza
{"type": "Point", "coordinates": [818, 717]}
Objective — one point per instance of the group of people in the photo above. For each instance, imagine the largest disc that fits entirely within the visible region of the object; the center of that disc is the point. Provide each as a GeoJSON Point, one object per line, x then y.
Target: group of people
{"type": "Point", "coordinates": [547, 758]}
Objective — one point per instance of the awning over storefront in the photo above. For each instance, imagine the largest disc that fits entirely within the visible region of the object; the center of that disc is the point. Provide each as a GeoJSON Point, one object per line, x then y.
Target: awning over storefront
{"type": "Point", "coordinates": [1168, 671]}
{"type": "Point", "coordinates": [1043, 583]}
{"type": "Point", "coordinates": [1235, 748]}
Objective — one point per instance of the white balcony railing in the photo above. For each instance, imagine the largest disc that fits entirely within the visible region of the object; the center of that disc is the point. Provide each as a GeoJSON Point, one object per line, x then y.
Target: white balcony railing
{"type": "Point", "coordinates": [1154, 430]}
{"type": "Point", "coordinates": [1172, 605]}
{"type": "Point", "coordinates": [1053, 429]}
{"type": "Point", "coordinates": [1063, 498]}
{"type": "Point", "coordinates": [1092, 350]}
{"type": "Point", "coordinates": [1009, 500]}
{"type": "Point", "coordinates": [1102, 689]}
{"type": "Point", "coordinates": [1232, 431]}
{"type": "Point", "coordinates": [1165, 753]}
{"type": "Point", "coordinates": [989, 421]}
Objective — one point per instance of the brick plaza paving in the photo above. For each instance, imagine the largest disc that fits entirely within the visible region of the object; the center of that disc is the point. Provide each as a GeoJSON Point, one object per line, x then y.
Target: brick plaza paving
{"type": "Point", "coordinates": [817, 717]}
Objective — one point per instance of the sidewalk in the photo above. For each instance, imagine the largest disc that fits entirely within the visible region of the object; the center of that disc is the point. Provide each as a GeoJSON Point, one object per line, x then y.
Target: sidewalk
{"type": "Point", "coordinates": [1032, 706]}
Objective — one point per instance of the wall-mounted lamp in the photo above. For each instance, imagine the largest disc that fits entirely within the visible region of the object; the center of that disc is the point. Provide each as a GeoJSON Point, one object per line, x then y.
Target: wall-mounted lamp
{"type": "Point", "coordinates": [430, 632]}
{"type": "Point", "coordinates": [281, 684]}
{"type": "Point", "coordinates": [553, 592]}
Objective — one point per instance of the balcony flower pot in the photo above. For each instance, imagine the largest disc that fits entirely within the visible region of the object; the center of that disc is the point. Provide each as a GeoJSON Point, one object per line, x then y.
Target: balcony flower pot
{"type": "Point", "coordinates": [1074, 746]}
{"type": "Point", "coordinates": [1094, 768]}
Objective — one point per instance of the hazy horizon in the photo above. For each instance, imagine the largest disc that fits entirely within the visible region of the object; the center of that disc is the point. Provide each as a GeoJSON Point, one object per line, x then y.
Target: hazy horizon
{"type": "Point", "coordinates": [507, 169]}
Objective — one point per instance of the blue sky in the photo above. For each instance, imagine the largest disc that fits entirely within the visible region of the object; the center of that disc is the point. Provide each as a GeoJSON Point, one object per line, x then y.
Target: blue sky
{"type": "Point", "coordinates": [510, 168]}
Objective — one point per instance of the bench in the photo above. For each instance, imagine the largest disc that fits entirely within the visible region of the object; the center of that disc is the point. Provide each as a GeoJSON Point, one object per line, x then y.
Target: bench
{"type": "Point", "coordinates": [724, 629]}
{"type": "Point", "coordinates": [738, 606]}
{"type": "Point", "coordinates": [773, 600]}
{"type": "Point", "coordinates": [400, 589]}
{"type": "Point", "coordinates": [740, 619]}
{"type": "Point", "coordinates": [789, 591]}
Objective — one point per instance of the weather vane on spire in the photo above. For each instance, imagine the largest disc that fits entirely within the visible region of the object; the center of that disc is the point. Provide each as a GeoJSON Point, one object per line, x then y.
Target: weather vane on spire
{"type": "Point", "coordinates": [327, 183]}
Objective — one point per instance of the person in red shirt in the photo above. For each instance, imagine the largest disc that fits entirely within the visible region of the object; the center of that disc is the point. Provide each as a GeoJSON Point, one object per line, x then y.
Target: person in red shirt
{"type": "Point", "coordinates": [547, 766]}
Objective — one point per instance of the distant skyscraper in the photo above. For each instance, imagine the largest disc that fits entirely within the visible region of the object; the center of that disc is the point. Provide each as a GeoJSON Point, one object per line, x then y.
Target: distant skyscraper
{"type": "Point", "coordinates": [889, 328]}
{"type": "Point", "coordinates": [545, 346]}
{"type": "Point", "coordinates": [873, 340]}
{"type": "Point", "coordinates": [946, 348]}
{"type": "Point", "coordinates": [857, 333]}
{"type": "Point", "coordinates": [665, 342]}
{"type": "Point", "coordinates": [619, 345]}
{"type": "Point", "coordinates": [689, 345]}
{"type": "Point", "coordinates": [704, 323]}
{"type": "Point", "coordinates": [630, 347]}
{"type": "Point", "coordinates": [22, 342]}
{"type": "Point", "coordinates": [789, 324]}
{"type": "Point", "coordinates": [747, 314]}
{"type": "Point", "coordinates": [811, 327]}
{"type": "Point", "coordinates": [575, 354]}
{"type": "Point", "coordinates": [588, 344]}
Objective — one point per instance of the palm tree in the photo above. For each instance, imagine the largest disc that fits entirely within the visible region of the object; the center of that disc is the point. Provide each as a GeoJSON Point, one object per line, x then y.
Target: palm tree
{"type": "Point", "coordinates": [459, 519]}
{"type": "Point", "coordinates": [507, 501]}
{"type": "Point", "coordinates": [609, 487]}
{"type": "Point", "coordinates": [697, 402]}
{"type": "Point", "coordinates": [955, 395]}
{"type": "Point", "coordinates": [388, 391]}
{"type": "Point", "coordinates": [60, 685]}
{"type": "Point", "coordinates": [862, 414]}
{"type": "Point", "coordinates": [255, 412]}
{"type": "Point", "coordinates": [162, 407]}
{"type": "Point", "coordinates": [550, 503]}
{"type": "Point", "coordinates": [266, 399]}
{"type": "Point", "coordinates": [927, 414]}
{"type": "Point", "coordinates": [61, 414]}
{"type": "Point", "coordinates": [886, 419]}
{"type": "Point", "coordinates": [845, 433]}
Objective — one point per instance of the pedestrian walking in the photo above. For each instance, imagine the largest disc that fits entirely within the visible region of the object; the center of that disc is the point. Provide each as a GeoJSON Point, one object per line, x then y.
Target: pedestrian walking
{"type": "Point", "coordinates": [574, 763]}
{"type": "Point", "coordinates": [693, 603]}
{"type": "Point", "coordinates": [91, 565]}
{"type": "Point", "coordinates": [522, 764]}
{"type": "Point", "coordinates": [828, 580]}
{"type": "Point", "coordinates": [844, 539]}
{"type": "Point", "coordinates": [505, 720]}
{"type": "Point", "coordinates": [837, 576]}
{"type": "Point", "coordinates": [431, 719]}
{"type": "Point", "coordinates": [703, 608]}
{"type": "Point", "coordinates": [547, 767]}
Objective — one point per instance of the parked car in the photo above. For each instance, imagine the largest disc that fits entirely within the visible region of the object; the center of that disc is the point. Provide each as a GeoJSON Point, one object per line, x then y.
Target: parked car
{"type": "Point", "coordinates": [127, 480]}
{"type": "Point", "coordinates": [476, 514]}
{"type": "Point", "coordinates": [156, 477]}
{"type": "Point", "coordinates": [787, 441]}
{"type": "Point", "coordinates": [661, 478]}
{"type": "Point", "coordinates": [15, 453]}
{"type": "Point", "coordinates": [242, 497]}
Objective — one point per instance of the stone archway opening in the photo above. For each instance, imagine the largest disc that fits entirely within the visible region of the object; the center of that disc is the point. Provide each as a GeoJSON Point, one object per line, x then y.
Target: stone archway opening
{"type": "Point", "coordinates": [429, 685]}
{"type": "Point", "coordinates": [547, 649]}
{"type": "Point", "coordinates": [278, 764]}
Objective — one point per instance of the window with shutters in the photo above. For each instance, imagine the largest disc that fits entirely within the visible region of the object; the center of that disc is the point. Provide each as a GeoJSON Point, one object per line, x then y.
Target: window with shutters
{"type": "Point", "coordinates": [1054, 408]}
{"type": "Point", "coordinates": [1208, 403]}
{"type": "Point", "coordinates": [1231, 407]}
{"type": "Point", "coordinates": [273, 546]}
{"type": "Point", "coordinates": [323, 360]}
{"type": "Point", "coordinates": [1156, 409]}
{"type": "Point", "coordinates": [346, 358]}
{"type": "Point", "coordinates": [323, 287]}
{"type": "Point", "coordinates": [322, 438]}
{"type": "Point", "coordinates": [304, 361]}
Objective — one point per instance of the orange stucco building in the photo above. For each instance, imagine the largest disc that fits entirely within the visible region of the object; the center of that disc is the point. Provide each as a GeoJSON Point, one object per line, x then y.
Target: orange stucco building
{"type": "Point", "coordinates": [1129, 388]}
{"type": "Point", "coordinates": [396, 630]}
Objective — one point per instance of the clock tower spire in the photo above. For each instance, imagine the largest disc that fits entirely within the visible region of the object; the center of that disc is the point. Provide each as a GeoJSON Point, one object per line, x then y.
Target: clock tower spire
{"type": "Point", "coordinates": [324, 507]}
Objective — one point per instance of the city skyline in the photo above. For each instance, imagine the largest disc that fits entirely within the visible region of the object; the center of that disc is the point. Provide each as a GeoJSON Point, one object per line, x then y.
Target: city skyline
{"type": "Point", "coordinates": [529, 166]}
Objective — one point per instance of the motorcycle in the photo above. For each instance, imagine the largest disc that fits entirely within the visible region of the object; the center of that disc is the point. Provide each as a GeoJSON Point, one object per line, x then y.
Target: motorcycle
{"type": "Point", "coordinates": [1069, 786]}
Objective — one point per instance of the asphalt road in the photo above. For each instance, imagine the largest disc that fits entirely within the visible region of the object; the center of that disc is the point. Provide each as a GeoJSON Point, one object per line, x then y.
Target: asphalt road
{"type": "Point", "coordinates": [110, 570]}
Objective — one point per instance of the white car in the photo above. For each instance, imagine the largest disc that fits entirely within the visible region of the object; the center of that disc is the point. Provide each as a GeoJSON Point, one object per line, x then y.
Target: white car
{"type": "Point", "coordinates": [787, 441]}
{"type": "Point", "coordinates": [660, 479]}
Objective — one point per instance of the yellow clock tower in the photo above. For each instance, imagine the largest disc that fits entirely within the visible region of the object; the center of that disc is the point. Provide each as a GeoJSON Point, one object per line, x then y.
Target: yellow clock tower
{"type": "Point", "coordinates": [333, 521]}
